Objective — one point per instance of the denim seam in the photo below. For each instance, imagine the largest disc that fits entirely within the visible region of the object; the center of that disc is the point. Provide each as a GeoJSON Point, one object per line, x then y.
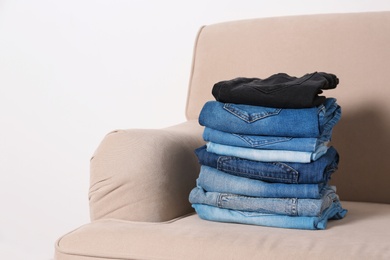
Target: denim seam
{"type": "Point", "coordinates": [233, 170]}
{"type": "Point", "coordinates": [291, 170]}
{"type": "Point", "coordinates": [219, 200]}
{"type": "Point", "coordinates": [261, 176]}
{"type": "Point", "coordinates": [328, 126]}
{"type": "Point", "coordinates": [252, 143]}
{"type": "Point", "coordinates": [249, 117]}
{"type": "Point", "coordinates": [321, 109]}
{"type": "Point", "coordinates": [219, 159]}
{"type": "Point", "coordinates": [294, 207]}
{"type": "Point", "coordinates": [333, 200]}
{"type": "Point", "coordinates": [321, 117]}
{"type": "Point", "coordinates": [329, 170]}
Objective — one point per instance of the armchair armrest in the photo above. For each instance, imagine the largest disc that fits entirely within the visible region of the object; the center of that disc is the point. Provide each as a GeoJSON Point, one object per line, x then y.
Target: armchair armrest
{"type": "Point", "coordinates": [145, 174]}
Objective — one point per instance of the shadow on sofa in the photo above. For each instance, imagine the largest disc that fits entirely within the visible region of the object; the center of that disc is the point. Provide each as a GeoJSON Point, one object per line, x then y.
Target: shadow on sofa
{"type": "Point", "coordinates": [363, 142]}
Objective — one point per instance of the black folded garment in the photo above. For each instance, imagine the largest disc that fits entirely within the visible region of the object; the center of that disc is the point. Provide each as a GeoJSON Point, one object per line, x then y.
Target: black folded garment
{"type": "Point", "coordinates": [279, 90]}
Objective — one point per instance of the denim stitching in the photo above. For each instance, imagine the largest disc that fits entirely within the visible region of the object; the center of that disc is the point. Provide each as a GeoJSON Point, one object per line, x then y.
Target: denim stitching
{"type": "Point", "coordinates": [253, 143]}
{"type": "Point", "coordinates": [253, 214]}
{"type": "Point", "coordinates": [219, 198]}
{"type": "Point", "coordinates": [291, 174]}
{"type": "Point", "coordinates": [249, 117]}
{"type": "Point", "coordinates": [294, 206]}
{"type": "Point", "coordinates": [289, 170]}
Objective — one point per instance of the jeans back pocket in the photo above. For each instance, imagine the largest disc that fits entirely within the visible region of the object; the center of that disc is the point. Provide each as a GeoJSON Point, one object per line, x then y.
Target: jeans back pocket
{"type": "Point", "coordinates": [249, 113]}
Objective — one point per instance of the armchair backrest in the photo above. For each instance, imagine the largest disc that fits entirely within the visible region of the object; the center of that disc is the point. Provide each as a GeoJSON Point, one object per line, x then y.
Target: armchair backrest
{"type": "Point", "coordinates": [355, 47]}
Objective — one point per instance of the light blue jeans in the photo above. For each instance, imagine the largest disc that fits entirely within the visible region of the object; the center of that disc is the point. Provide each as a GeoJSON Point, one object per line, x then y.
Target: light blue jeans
{"type": "Point", "coordinates": [335, 211]}
{"type": "Point", "coordinates": [263, 142]}
{"type": "Point", "coordinates": [280, 206]}
{"type": "Point", "coordinates": [255, 120]}
{"type": "Point", "coordinates": [266, 155]}
{"type": "Point", "coordinates": [211, 179]}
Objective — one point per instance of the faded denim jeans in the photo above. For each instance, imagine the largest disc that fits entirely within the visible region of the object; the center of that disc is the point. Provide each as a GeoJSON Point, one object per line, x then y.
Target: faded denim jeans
{"type": "Point", "coordinates": [334, 212]}
{"type": "Point", "coordinates": [280, 206]}
{"type": "Point", "coordinates": [211, 179]}
{"type": "Point", "coordinates": [264, 142]}
{"type": "Point", "coordinates": [266, 155]}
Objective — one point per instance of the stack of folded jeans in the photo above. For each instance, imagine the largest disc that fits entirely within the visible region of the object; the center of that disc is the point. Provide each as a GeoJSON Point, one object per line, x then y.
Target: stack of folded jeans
{"type": "Point", "coordinates": [267, 160]}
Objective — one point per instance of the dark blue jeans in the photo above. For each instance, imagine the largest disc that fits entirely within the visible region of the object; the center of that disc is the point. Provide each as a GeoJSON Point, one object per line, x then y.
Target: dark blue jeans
{"type": "Point", "coordinates": [315, 172]}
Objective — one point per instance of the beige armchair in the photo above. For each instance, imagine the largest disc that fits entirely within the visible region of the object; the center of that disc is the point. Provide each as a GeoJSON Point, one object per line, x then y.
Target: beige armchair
{"type": "Point", "coordinates": [141, 179]}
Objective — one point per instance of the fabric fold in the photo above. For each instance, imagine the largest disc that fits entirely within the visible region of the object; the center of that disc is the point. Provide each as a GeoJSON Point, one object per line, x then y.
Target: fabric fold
{"type": "Point", "coordinates": [279, 90]}
{"type": "Point", "coordinates": [211, 179]}
{"type": "Point", "coordinates": [264, 142]}
{"type": "Point", "coordinates": [278, 206]}
{"type": "Point", "coordinates": [319, 171]}
{"type": "Point", "coordinates": [256, 120]}
{"type": "Point", "coordinates": [267, 155]}
{"type": "Point", "coordinates": [334, 212]}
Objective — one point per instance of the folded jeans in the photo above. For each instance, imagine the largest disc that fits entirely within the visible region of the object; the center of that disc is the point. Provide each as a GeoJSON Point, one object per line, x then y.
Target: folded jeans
{"type": "Point", "coordinates": [264, 142]}
{"type": "Point", "coordinates": [266, 155]}
{"type": "Point", "coordinates": [211, 179]}
{"type": "Point", "coordinates": [255, 120]}
{"type": "Point", "coordinates": [334, 212]}
{"type": "Point", "coordinates": [318, 171]}
{"type": "Point", "coordinates": [279, 206]}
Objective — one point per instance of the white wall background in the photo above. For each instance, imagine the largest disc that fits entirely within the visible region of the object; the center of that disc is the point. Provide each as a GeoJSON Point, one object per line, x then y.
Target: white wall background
{"type": "Point", "coordinates": [71, 71]}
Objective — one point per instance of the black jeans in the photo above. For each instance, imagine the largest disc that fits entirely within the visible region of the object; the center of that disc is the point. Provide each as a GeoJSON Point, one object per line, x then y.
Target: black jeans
{"type": "Point", "coordinates": [279, 90]}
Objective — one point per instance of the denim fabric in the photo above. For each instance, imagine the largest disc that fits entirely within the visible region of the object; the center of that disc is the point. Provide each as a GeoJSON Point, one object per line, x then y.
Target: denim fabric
{"type": "Point", "coordinates": [335, 211]}
{"type": "Point", "coordinates": [281, 206]}
{"type": "Point", "coordinates": [263, 142]}
{"type": "Point", "coordinates": [319, 171]}
{"type": "Point", "coordinates": [255, 120]}
{"type": "Point", "coordinates": [266, 155]}
{"type": "Point", "coordinates": [278, 90]}
{"type": "Point", "coordinates": [211, 179]}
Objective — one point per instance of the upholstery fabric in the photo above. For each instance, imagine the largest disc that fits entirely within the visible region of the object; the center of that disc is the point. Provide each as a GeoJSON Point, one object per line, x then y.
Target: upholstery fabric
{"type": "Point", "coordinates": [145, 175]}
{"type": "Point", "coordinates": [361, 235]}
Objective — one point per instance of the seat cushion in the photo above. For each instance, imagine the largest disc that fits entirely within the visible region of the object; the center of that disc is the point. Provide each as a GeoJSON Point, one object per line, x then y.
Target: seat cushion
{"type": "Point", "coordinates": [363, 234]}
